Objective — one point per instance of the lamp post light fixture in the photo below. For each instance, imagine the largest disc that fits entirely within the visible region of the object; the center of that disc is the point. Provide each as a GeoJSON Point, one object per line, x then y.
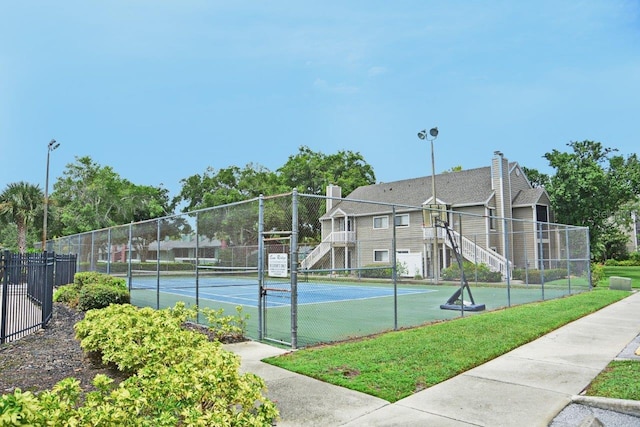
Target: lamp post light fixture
{"type": "Point", "coordinates": [50, 147]}
{"type": "Point", "coordinates": [433, 133]}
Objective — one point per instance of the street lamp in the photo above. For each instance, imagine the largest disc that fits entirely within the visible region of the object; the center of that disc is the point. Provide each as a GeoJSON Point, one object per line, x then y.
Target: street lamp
{"type": "Point", "coordinates": [433, 132]}
{"type": "Point", "coordinates": [50, 147]}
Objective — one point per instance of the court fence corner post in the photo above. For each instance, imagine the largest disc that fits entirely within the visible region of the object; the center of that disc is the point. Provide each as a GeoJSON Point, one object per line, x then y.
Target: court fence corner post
{"type": "Point", "coordinates": [294, 269]}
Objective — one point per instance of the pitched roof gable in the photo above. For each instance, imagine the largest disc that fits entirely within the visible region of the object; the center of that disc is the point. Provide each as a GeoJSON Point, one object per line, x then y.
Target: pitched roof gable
{"type": "Point", "coordinates": [466, 187]}
{"type": "Point", "coordinates": [528, 197]}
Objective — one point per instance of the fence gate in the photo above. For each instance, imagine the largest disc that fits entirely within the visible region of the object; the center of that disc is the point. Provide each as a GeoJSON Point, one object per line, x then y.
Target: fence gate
{"type": "Point", "coordinates": [26, 293]}
{"type": "Point", "coordinates": [277, 278]}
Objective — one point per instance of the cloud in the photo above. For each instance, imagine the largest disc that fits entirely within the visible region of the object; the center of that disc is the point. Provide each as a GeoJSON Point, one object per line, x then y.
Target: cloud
{"type": "Point", "coordinates": [377, 70]}
{"type": "Point", "coordinates": [335, 88]}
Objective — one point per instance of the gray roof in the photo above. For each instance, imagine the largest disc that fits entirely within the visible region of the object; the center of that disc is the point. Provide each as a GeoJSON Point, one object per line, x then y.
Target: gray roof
{"type": "Point", "coordinates": [528, 197]}
{"type": "Point", "coordinates": [466, 187]}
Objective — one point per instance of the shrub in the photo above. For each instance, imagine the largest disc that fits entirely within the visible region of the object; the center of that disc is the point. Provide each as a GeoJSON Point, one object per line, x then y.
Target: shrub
{"type": "Point", "coordinates": [101, 296]}
{"type": "Point", "coordinates": [91, 289]}
{"type": "Point", "coordinates": [230, 328]}
{"type": "Point", "coordinates": [377, 271]}
{"type": "Point", "coordinates": [471, 271]}
{"type": "Point", "coordinates": [67, 294]}
{"type": "Point", "coordinates": [93, 278]}
{"type": "Point", "coordinates": [631, 262]}
{"type": "Point", "coordinates": [534, 276]}
{"type": "Point", "coordinates": [123, 267]}
{"type": "Point", "coordinates": [87, 277]}
{"type": "Point", "coordinates": [178, 378]}
{"type": "Point", "coordinates": [597, 273]}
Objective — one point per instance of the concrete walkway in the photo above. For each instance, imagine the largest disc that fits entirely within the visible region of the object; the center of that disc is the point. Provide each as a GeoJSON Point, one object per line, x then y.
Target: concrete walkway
{"type": "Point", "coordinates": [528, 386]}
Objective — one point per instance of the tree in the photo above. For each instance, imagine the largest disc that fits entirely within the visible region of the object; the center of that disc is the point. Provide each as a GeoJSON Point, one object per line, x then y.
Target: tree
{"type": "Point", "coordinates": [537, 179]}
{"type": "Point", "coordinates": [91, 197]}
{"type": "Point", "coordinates": [308, 171]}
{"type": "Point", "coordinates": [590, 187]}
{"type": "Point", "coordinates": [21, 203]}
{"type": "Point", "coordinates": [311, 172]}
{"type": "Point", "coordinates": [228, 185]}
{"type": "Point", "coordinates": [457, 168]}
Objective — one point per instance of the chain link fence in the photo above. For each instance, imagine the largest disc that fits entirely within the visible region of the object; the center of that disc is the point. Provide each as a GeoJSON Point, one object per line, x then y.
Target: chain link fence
{"type": "Point", "coordinates": [309, 269]}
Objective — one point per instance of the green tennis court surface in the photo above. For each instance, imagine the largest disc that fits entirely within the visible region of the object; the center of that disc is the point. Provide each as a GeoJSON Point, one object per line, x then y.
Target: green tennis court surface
{"type": "Point", "coordinates": [332, 310]}
{"type": "Point", "coordinates": [244, 291]}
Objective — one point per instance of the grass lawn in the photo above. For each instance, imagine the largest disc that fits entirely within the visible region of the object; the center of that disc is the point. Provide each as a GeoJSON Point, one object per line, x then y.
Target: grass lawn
{"type": "Point", "coordinates": [631, 272]}
{"type": "Point", "coordinates": [620, 379]}
{"type": "Point", "coordinates": [397, 364]}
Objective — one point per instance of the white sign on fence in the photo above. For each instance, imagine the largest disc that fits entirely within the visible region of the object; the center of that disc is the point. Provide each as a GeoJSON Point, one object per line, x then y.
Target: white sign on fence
{"type": "Point", "coordinates": [278, 265]}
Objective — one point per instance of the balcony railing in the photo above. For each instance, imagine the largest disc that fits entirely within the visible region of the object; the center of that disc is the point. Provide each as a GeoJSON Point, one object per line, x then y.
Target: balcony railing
{"type": "Point", "coordinates": [342, 237]}
{"type": "Point", "coordinates": [427, 233]}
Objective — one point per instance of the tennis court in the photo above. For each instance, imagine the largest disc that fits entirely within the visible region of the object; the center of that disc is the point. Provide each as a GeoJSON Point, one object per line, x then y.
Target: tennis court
{"type": "Point", "coordinates": [244, 290]}
{"type": "Point", "coordinates": [330, 309]}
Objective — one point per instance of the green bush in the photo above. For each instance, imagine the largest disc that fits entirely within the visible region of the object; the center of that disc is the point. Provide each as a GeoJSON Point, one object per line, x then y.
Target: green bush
{"type": "Point", "coordinates": [95, 278]}
{"type": "Point", "coordinates": [67, 294]}
{"type": "Point", "coordinates": [86, 277]}
{"type": "Point", "coordinates": [597, 273]}
{"type": "Point", "coordinates": [178, 378]}
{"type": "Point", "coordinates": [533, 276]}
{"type": "Point", "coordinates": [471, 271]}
{"type": "Point", "coordinates": [231, 327]}
{"type": "Point", "coordinates": [91, 289]}
{"type": "Point", "coordinates": [101, 296]}
{"type": "Point", "coordinates": [631, 262]}
{"type": "Point", "coordinates": [123, 267]}
{"type": "Point", "coordinates": [376, 271]}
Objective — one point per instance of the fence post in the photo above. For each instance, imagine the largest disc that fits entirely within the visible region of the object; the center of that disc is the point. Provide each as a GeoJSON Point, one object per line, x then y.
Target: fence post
{"type": "Point", "coordinates": [5, 294]}
{"type": "Point", "coordinates": [261, 301]}
{"type": "Point", "coordinates": [294, 270]}
{"type": "Point", "coordinates": [394, 270]}
{"type": "Point", "coordinates": [157, 265]}
{"type": "Point", "coordinates": [46, 304]}
{"type": "Point", "coordinates": [130, 237]}
{"type": "Point", "coordinates": [109, 251]}
{"type": "Point", "coordinates": [566, 242]}
{"type": "Point", "coordinates": [197, 261]}
{"type": "Point", "coordinates": [541, 258]}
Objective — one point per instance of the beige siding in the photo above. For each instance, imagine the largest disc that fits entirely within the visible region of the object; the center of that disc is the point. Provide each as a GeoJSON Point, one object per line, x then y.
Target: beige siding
{"type": "Point", "coordinates": [518, 181]}
{"type": "Point", "coordinates": [524, 238]}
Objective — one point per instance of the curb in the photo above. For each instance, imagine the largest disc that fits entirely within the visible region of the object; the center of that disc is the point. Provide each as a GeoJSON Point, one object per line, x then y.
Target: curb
{"type": "Point", "coordinates": [629, 407]}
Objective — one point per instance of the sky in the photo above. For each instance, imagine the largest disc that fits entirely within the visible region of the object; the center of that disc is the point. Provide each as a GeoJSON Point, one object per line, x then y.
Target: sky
{"type": "Point", "coordinates": [161, 90]}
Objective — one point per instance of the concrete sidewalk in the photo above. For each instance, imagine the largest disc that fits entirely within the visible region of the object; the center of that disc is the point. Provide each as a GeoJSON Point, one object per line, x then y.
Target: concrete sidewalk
{"type": "Point", "coordinates": [528, 386]}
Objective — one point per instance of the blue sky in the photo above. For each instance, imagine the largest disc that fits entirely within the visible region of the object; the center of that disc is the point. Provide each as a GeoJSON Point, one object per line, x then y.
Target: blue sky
{"type": "Point", "coordinates": [160, 90]}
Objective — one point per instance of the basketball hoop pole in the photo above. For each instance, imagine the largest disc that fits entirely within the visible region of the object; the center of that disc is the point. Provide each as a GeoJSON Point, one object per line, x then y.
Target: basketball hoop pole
{"type": "Point", "coordinates": [436, 257]}
{"type": "Point", "coordinates": [433, 132]}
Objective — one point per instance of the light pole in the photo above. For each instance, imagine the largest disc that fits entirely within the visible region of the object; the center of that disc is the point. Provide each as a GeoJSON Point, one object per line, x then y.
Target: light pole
{"type": "Point", "coordinates": [50, 147]}
{"type": "Point", "coordinates": [433, 132]}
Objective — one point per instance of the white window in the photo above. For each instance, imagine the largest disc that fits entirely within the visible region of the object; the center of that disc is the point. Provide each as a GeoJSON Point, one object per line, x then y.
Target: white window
{"type": "Point", "coordinates": [402, 220]}
{"type": "Point", "coordinates": [492, 219]}
{"type": "Point", "coordinates": [381, 255]}
{"type": "Point", "coordinates": [380, 222]}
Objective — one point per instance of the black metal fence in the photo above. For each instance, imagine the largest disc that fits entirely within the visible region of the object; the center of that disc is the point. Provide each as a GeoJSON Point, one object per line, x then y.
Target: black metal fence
{"type": "Point", "coordinates": [26, 290]}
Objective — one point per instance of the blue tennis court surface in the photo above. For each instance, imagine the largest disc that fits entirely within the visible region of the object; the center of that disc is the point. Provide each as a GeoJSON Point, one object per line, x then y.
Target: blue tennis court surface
{"type": "Point", "coordinates": [245, 292]}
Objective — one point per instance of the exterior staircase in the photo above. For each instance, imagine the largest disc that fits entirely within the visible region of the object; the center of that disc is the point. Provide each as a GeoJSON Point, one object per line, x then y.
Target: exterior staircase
{"type": "Point", "coordinates": [337, 237]}
{"type": "Point", "coordinates": [473, 252]}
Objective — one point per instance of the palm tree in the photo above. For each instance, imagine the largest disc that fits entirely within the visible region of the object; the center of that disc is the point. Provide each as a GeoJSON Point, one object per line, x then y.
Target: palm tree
{"type": "Point", "coordinates": [21, 203]}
